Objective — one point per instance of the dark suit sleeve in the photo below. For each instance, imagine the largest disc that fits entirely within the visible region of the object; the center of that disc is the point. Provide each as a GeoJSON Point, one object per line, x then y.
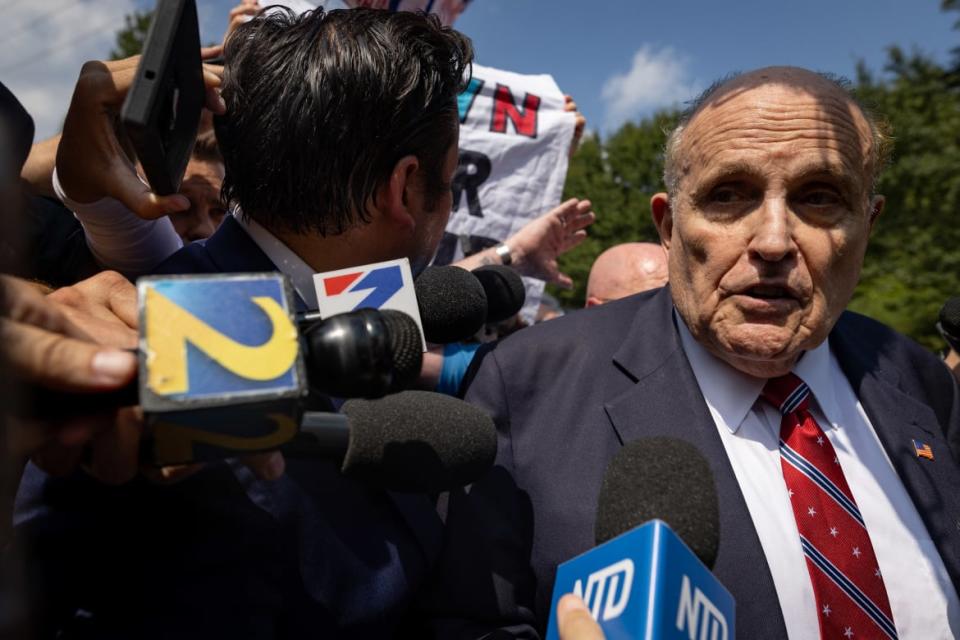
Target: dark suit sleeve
{"type": "Point", "coordinates": [483, 586]}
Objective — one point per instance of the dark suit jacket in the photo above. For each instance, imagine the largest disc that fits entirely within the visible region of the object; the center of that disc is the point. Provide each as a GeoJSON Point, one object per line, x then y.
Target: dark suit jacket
{"type": "Point", "coordinates": [567, 394]}
{"type": "Point", "coordinates": [222, 554]}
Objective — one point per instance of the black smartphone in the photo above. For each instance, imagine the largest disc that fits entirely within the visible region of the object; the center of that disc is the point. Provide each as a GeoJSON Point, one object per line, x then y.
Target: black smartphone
{"type": "Point", "coordinates": [162, 111]}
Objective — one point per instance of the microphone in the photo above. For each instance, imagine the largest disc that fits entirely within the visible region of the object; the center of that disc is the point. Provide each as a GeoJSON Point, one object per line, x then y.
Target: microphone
{"type": "Point", "coordinates": [505, 291]}
{"type": "Point", "coordinates": [413, 441]}
{"type": "Point", "coordinates": [643, 580]}
{"type": "Point", "coordinates": [453, 304]}
{"type": "Point", "coordinates": [224, 369]}
{"type": "Point", "coordinates": [949, 323]}
{"type": "Point", "coordinates": [363, 354]}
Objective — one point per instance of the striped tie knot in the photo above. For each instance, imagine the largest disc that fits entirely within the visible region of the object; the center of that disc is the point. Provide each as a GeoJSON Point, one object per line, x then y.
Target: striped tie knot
{"type": "Point", "coordinates": [787, 393]}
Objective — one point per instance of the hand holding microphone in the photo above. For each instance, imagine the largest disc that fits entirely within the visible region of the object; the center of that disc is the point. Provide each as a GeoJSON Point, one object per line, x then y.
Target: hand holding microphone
{"type": "Point", "coordinates": [643, 579]}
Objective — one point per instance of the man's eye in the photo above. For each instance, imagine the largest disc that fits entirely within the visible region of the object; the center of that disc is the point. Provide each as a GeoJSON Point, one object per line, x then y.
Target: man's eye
{"type": "Point", "coordinates": [820, 198]}
{"type": "Point", "coordinates": [728, 195]}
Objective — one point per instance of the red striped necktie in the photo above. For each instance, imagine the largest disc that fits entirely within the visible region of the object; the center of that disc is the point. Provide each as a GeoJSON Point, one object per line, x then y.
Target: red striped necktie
{"type": "Point", "coordinates": [851, 597]}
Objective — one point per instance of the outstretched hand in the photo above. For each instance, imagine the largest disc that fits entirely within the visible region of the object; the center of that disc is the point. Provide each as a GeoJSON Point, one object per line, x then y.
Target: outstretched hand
{"type": "Point", "coordinates": [537, 245]}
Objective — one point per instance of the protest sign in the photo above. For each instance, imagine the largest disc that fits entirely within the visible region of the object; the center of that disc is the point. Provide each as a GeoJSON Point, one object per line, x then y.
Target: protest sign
{"type": "Point", "coordinates": [514, 146]}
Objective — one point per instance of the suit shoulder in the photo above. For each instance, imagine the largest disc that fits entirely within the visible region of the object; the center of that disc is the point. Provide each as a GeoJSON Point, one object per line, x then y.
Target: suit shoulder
{"type": "Point", "coordinates": [596, 331]}
{"type": "Point", "coordinates": [873, 335]}
{"type": "Point", "coordinates": [920, 373]}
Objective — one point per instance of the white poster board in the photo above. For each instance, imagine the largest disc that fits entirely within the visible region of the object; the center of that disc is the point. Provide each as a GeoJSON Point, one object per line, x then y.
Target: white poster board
{"type": "Point", "coordinates": [514, 147]}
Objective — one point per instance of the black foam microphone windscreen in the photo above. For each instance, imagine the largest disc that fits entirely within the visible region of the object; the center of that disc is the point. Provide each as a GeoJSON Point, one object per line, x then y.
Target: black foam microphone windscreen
{"type": "Point", "coordinates": [453, 304]}
{"type": "Point", "coordinates": [406, 347]}
{"type": "Point", "coordinates": [418, 441]}
{"type": "Point", "coordinates": [505, 291]}
{"type": "Point", "coordinates": [663, 478]}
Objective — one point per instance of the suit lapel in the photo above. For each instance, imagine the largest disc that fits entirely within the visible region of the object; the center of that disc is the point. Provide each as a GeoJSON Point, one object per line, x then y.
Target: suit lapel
{"type": "Point", "coordinates": [666, 401]}
{"type": "Point", "coordinates": [899, 419]}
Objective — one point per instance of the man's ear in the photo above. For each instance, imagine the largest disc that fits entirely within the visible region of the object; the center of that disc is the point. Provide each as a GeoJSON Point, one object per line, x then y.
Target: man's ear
{"type": "Point", "coordinates": [876, 208]}
{"type": "Point", "coordinates": [662, 217]}
{"type": "Point", "coordinates": [395, 195]}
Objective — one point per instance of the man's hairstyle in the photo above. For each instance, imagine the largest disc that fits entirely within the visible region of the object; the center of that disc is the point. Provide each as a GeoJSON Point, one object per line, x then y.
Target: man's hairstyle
{"type": "Point", "coordinates": [206, 148]}
{"type": "Point", "coordinates": [321, 107]}
{"type": "Point", "coordinates": [881, 145]}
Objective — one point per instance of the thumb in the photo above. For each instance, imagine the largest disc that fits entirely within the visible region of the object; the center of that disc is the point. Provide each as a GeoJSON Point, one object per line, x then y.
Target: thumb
{"type": "Point", "coordinates": [574, 621]}
{"type": "Point", "coordinates": [127, 187]}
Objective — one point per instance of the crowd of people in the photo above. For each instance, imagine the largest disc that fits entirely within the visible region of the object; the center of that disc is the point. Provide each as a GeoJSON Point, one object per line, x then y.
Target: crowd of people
{"type": "Point", "coordinates": [330, 140]}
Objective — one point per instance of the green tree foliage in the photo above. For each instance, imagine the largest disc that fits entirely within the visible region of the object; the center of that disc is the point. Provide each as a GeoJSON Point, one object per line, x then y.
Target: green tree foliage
{"type": "Point", "coordinates": [618, 176]}
{"type": "Point", "coordinates": [913, 263]}
{"type": "Point", "coordinates": [131, 37]}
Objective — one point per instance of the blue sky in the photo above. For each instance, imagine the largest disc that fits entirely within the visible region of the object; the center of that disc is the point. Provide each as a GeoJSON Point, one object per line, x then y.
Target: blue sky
{"type": "Point", "coordinates": [625, 58]}
{"type": "Point", "coordinates": [620, 59]}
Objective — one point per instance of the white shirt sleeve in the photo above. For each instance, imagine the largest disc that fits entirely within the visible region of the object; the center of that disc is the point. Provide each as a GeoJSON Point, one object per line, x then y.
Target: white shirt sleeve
{"type": "Point", "coordinates": [118, 238]}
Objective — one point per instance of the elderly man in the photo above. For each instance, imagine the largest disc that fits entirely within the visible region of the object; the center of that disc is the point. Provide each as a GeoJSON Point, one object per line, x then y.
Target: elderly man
{"type": "Point", "coordinates": [626, 269]}
{"type": "Point", "coordinates": [832, 440]}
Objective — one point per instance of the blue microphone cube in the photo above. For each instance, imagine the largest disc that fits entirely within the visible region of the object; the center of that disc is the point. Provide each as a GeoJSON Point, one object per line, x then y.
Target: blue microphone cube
{"type": "Point", "coordinates": [647, 584]}
{"type": "Point", "coordinates": [221, 372]}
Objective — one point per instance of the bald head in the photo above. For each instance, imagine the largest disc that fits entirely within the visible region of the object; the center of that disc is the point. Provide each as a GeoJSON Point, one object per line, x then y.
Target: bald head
{"type": "Point", "coordinates": [626, 269]}
{"type": "Point", "coordinates": [831, 91]}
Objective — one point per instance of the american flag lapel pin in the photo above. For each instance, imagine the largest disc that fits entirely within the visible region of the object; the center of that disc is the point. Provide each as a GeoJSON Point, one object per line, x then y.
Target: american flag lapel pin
{"type": "Point", "coordinates": [922, 450]}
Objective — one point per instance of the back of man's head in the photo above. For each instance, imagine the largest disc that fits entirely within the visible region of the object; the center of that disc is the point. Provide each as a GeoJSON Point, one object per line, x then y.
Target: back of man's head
{"type": "Point", "coordinates": [626, 269]}
{"type": "Point", "coordinates": [320, 107]}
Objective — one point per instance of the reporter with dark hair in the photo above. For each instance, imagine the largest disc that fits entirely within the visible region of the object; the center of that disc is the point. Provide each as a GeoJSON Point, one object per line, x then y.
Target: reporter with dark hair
{"type": "Point", "coordinates": [339, 140]}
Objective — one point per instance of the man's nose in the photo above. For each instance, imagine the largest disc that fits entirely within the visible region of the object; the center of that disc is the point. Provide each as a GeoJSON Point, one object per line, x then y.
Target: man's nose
{"type": "Point", "coordinates": [772, 238]}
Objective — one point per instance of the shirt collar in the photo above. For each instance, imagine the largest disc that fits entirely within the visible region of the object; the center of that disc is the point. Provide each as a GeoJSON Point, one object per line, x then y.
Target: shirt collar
{"type": "Point", "coordinates": [286, 261]}
{"type": "Point", "coordinates": [818, 369]}
{"type": "Point", "coordinates": [730, 393]}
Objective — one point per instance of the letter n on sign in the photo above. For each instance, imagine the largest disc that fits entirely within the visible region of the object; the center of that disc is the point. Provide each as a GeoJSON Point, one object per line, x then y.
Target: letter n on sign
{"type": "Point", "coordinates": [505, 108]}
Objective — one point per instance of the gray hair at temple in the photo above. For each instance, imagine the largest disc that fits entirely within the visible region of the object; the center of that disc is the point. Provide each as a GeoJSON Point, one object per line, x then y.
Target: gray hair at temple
{"type": "Point", "coordinates": [882, 132]}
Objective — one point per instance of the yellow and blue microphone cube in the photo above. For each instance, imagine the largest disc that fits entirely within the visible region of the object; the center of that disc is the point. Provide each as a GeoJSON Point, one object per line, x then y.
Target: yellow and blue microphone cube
{"type": "Point", "coordinates": [221, 371]}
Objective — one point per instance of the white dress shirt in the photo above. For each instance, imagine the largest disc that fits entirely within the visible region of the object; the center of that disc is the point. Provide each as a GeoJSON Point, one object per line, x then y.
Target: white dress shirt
{"type": "Point", "coordinates": [922, 598]}
{"type": "Point", "coordinates": [287, 262]}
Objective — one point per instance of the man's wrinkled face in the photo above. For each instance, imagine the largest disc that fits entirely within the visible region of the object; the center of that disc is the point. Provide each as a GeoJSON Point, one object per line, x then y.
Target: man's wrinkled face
{"type": "Point", "coordinates": [768, 230]}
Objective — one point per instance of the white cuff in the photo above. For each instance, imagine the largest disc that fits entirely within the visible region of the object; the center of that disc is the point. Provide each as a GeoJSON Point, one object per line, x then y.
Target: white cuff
{"type": "Point", "coordinates": [118, 238]}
